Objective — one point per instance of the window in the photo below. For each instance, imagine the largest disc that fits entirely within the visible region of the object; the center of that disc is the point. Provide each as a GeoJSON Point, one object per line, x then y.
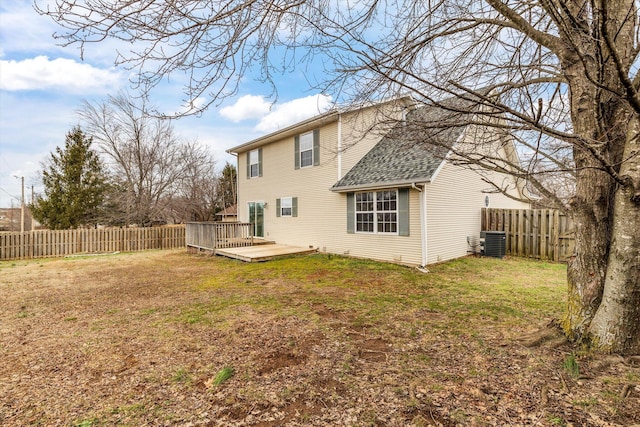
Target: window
{"type": "Point", "coordinates": [364, 212]}
{"type": "Point", "coordinates": [307, 149]}
{"type": "Point", "coordinates": [377, 212]}
{"type": "Point", "coordinates": [387, 211]}
{"type": "Point", "coordinates": [254, 163]}
{"type": "Point", "coordinates": [285, 206]}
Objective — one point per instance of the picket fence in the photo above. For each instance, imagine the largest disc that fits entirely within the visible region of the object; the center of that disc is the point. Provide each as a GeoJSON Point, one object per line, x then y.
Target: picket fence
{"type": "Point", "coordinates": [59, 243]}
{"type": "Point", "coordinates": [536, 233]}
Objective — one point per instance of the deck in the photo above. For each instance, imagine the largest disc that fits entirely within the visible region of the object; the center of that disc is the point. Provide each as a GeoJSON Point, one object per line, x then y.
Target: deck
{"type": "Point", "coordinates": [263, 252]}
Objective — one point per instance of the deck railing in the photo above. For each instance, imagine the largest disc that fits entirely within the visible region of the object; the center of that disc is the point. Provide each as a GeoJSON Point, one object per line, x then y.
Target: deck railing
{"type": "Point", "coordinates": [210, 236]}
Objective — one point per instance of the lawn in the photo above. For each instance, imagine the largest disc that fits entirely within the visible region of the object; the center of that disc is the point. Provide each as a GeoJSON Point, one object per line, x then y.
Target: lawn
{"type": "Point", "coordinates": [168, 338]}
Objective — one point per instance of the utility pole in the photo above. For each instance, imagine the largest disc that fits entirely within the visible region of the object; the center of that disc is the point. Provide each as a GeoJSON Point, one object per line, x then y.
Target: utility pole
{"type": "Point", "coordinates": [21, 204]}
{"type": "Point", "coordinates": [31, 210]}
{"type": "Point", "coordinates": [22, 208]}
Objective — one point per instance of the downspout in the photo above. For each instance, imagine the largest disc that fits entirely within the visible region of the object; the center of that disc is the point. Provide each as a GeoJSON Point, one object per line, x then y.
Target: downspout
{"type": "Point", "coordinates": [237, 186]}
{"type": "Point", "coordinates": [423, 223]}
{"type": "Point", "coordinates": [339, 147]}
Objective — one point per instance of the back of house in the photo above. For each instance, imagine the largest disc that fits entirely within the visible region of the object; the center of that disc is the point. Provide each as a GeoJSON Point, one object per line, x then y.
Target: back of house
{"type": "Point", "coordinates": [361, 182]}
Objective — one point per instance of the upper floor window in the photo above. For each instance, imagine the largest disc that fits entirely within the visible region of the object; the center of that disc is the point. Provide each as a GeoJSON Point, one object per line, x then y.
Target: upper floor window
{"type": "Point", "coordinates": [254, 163]}
{"type": "Point", "coordinates": [307, 149]}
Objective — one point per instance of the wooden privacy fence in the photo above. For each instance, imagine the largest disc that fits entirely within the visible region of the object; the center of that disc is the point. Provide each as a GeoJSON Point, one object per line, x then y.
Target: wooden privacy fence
{"type": "Point", "coordinates": [210, 236]}
{"type": "Point", "coordinates": [536, 233]}
{"type": "Point", "coordinates": [58, 243]}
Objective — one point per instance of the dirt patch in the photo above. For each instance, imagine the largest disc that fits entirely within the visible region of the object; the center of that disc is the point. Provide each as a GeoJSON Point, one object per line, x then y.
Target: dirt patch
{"type": "Point", "coordinates": [280, 360]}
{"type": "Point", "coordinates": [140, 339]}
{"type": "Point", "coordinates": [373, 350]}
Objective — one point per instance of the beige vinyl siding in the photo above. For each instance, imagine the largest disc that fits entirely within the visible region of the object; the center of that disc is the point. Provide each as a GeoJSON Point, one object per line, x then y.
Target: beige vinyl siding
{"type": "Point", "coordinates": [362, 130]}
{"type": "Point", "coordinates": [454, 203]}
{"type": "Point", "coordinates": [457, 194]}
{"type": "Point", "coordinates": [322, 214]}
{"type": "Point", "coordinates": [386, 247]}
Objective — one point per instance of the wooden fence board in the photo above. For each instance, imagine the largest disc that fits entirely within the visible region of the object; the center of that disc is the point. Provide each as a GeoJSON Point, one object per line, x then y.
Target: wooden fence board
{"type": "Point", "coordinates": [58, 243]}
{"type": "Point", "coordinates": [534, 233]}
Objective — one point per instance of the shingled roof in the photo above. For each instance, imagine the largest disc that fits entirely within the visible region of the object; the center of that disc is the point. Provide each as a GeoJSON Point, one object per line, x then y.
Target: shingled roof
{"type": "Point", "coordinates": [412, 151]}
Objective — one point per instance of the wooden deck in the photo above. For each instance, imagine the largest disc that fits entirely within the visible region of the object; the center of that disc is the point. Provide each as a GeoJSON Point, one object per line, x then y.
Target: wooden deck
{"type": "Point", "coordinates": [263, 252]}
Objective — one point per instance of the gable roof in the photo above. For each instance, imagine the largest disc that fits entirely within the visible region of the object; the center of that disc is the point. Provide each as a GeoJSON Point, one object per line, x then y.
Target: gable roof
{"type": "Point", "coordinates": [229, 211]}
{"type": "Point", "coordinates": [413, 150]}
{"type": "Point", "coordinates": [314, 122]}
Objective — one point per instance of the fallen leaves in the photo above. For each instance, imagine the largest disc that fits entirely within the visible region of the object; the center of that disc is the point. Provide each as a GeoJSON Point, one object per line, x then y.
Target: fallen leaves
{"type": "Point", "coordinates": [107, 342]}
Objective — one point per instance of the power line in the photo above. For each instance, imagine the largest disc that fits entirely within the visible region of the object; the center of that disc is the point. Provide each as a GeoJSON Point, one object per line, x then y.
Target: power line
{"type": "Point", "coordinates": [9, 194]}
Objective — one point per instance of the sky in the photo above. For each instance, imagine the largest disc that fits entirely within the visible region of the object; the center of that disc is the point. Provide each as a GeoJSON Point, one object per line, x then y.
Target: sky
{"type": "Point", "coordinates": [42, 86]}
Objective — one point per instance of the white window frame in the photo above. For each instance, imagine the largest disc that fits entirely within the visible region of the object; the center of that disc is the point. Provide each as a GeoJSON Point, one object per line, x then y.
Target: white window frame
{"type": "Point", "coordinates": [379, 211]}
{"type": "Point", "coordinates": [286, 203]}
{"type": "Point", "coordinates": [306, 145]}
{"type": "Point", "coordinates": [254, 160]}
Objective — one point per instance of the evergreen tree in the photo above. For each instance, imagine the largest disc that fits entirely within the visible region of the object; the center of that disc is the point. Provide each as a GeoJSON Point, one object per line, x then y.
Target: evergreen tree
{"type": "Point", "coordinates": [227, 194]}
{"type": "Point", "coordinates": [74, 185]}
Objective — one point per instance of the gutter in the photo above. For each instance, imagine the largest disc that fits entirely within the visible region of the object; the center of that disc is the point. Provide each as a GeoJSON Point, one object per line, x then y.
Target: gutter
{"type": "Point", "coordinates": [339, 146]}
{"type": "Point", "coordinates": [377, 186]}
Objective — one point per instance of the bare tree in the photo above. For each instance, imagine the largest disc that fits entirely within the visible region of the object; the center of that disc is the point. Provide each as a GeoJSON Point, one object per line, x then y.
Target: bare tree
{"type": "Point", "coordinates": [149, 164]}
{"type": "Point", "coordinates": [197, 190]}
{"type": "Point", "coordinates": [559, 76]}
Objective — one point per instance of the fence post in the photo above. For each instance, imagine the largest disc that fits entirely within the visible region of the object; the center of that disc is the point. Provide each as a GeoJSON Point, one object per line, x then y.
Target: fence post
{"type": "Point", "coordinates": [556, 237]}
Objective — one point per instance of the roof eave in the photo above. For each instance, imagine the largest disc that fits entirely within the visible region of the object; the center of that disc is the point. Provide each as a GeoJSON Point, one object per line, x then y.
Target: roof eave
{"type": "Point", "coordinates": [380, 185]}
{"type": "Point", "coordinates": [294, 129]}
{"type": "Point", "coordinates": [311, 123]}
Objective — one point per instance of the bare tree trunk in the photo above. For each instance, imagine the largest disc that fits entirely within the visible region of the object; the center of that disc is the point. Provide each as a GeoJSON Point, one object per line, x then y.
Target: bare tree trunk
{"type": "Point", "coordinates": [616, 324]}
{"type": "Point", "coordinates": [590, 210]}
{"type": "Point", "coordinates": [603, 273]}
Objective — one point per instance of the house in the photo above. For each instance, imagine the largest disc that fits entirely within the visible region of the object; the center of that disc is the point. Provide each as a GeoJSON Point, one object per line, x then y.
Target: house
{"type": "Point", "coordinates": [10, 219]}
{"type": "Point", "coordinates": [230, 214]}
{"type": "Point", "coordinates": [363, 182]}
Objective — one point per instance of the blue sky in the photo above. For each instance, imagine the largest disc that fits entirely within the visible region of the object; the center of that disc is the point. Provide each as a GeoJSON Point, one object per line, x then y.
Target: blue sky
{"type": "Point", "coordinates": [42, 85]}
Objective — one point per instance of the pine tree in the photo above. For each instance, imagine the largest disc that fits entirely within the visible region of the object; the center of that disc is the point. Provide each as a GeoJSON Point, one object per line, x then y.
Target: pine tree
{"type": "Point", "coordinates": [75, 185]}
{"type": "Point", "coordinates": [227, 194]}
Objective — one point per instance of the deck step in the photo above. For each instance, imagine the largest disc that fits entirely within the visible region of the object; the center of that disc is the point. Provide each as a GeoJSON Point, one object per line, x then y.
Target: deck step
{"type": "Point", "coordinates": [263, 252]}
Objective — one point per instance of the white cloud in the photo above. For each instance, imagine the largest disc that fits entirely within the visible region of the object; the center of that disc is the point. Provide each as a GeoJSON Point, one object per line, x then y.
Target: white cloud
{"type": "Point", "coordinates": [294, 111]}
{"type": "Point", "coordinates": [42, 73]}
{"type": "Point", "coordinates": [247, 107]}
{"type": "Point", "coordinates": [276, 116]}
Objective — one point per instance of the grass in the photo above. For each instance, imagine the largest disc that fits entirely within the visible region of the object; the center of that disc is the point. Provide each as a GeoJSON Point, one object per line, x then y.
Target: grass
{"type": "Point", "coordinates": [223, 375]}
{"type": "Point", "coordinates": [159, 333]}
{"type": "Point", "coordinates": [182, 375]}
{"type": "Point", "coordinates": [502, 291]}
{"type": "Point", "coordinates": [571, 366]}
